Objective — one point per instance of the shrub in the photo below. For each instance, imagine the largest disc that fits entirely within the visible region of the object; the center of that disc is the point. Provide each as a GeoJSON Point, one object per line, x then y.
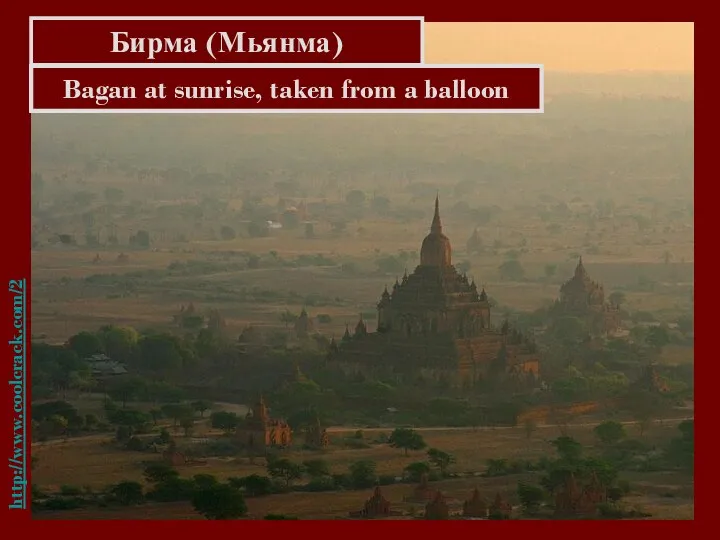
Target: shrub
{"type": "Point", "coordinates": [64, 503]}
{"type": "Point", "coordinates": [253, 485]}
{"type": "Point", "coordinates": [219, 501]}
{"type": "Point", "coordinates": [325, 483]}
{"type": "Point", "coordinates": [342, 481]}
{"type": "Point", "coordinates": [355, 444]}
{"type": "Point", "coordinates": [128, 493]}
{"type": "Point", "coordinates": [135, 444]}
{"type": "Point", "coordinates": [531, 497]}
{"type": "Point", "coordinates": [610, 511]}
{"type": "Point", "coordinates": [414, 471]}
{"type": "Point", "coordinates": [159, 472]}
{"type": "Point", "coordinates": [362, 474]}
{"type": "Point", "coordinates": [614, 494]}
{"type": "Point", "coordinates": [386, 480]}
{"type": "Point", "coordinates": [173, 490]}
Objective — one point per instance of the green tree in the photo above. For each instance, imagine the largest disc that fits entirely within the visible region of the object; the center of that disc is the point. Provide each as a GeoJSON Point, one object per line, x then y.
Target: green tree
{"type": "Point", "coordinates": [442, 460]}
{"type": "Point", "coordinates": [406, 439]}
{"type": "Point", "coordinates": [511, 270]}
{"type": "Point", "coordinates": [173, 489]}
{"type": "Point", "coordinates": [380, 204]}
{"type": "Point", "coordinates": [568, 448]}
{"type": "Point", "coordinates": [85, 344]}
{"type": "Point", "coordinates": [128, 493]}
{"type": "Point", "coordinates": [201, 406]}
{"type": "Point", "coordinates": [316, 468]}
{"type": "Point", "coordinates": [61, 367]}
{"type": "Point", "coordinates": [687, 429]}
{"type": "Point", "coordinates": [309, 230]}
{"type": "Point", "coordinates": [681, 451]}
{"type": "Point", "coordinates": [497, 467]}
{"type": "Point", "coordinates": [531, 497]}
{"type": "Point", "coordinates": [569, 329]}
{"type": "Point", "coordinates": [188, 424]}
{"type": "Point", "coordinates": [203, 481]}
{"type": "Point", "coordinates": [355, 198]}
{"type": "Point", "coordinates": [177, 411]}
{"type": "Point", "coordinates": [362, 474]}
{"type": "Point", "coordinates": [132, 419]}
{"type": "Point", "coordinates": [155, 414]}
{"type": "Point", "coordinates": [140, 239]}
{"type": "Point", "coordinates": [57, 425]}
{"type": "Point", "coordinates": [227, 233]}
{"type": "Point", "coordinates": [91, 421]}
{"type": "Point", "coordinates": [253, 485]}
{"type": "Point", "coordinates": [113, 195]}
{"type": "Point", "coordinates": [604, 470]}
{"type": "Point", "coordinates": [161, 352]}
{"type": "Point", "coordinates": [686, 324]}
{"type": "Point", "coordinates": [227, 421]}
{"type": "Point", "coordinates": [42, 411]}
{"type": "Point", "coordinates": [219, 501]}
{"type": "Point", "coordinates": [209, 342]}
{"type": "Point", "coordinates": [119, 342]}
{"type": "Point", "coordinates": [617, 298]}
{"type": "Point", "coordinates": [658, 337]}
{"type": "Point", "coordinates": [414, 471]}
{"type": "Point", "coordinates": [164, 437]}
{"type": "Point", "coordinates": [288, 318]}
{"type": "Point", "coordinates": [285, 469]}
{"type": "Point", "coordinates": [124, 389]}
{"type": "Point", "coordinates": [163, 392]}
{"type": "Point", "coordinates": [610, 432]}
{"type": "Point", "coordinates": [303, 418]}
{"type": "Point", "coordinates": [159, 472]}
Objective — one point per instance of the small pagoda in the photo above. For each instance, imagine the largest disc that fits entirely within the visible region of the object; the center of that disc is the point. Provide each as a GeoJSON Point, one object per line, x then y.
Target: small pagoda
{"type": "Point", "coordinates": [572, 500]}
{"type": "Point", "coordinates": [423, 492]}
{"type": "Point", "coordinates": [437, 508]}
{"type": "Point", "coordinates": [500, 508]}
{"type": "Point", "coordinates": [375, 506]}
{"type": "Point", "coordinates": [476, 506]}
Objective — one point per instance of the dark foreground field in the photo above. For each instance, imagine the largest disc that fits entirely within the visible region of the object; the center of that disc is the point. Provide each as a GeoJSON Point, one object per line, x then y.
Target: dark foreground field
{"type": "Point", "coordinates": [95, 463]}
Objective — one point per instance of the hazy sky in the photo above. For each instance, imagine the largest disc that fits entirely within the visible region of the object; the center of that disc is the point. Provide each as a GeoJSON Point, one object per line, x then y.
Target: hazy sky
{"type": "Point", "coordinates": [578, 47]}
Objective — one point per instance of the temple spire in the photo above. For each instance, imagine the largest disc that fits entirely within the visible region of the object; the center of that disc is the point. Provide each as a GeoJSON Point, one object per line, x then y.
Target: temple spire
{"type": "Point", "coordinates": [436, 226]}
{"type": "Point", "coordinates": [580, 269]}
{"type": "Point", "coordinates": [261, 412]}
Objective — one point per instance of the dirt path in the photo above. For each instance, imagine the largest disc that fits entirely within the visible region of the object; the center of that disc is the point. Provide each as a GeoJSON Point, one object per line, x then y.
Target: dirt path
{"type": "Point", "coordinates": [340, 429]}
{"type": "Point", "coordinates": [346, 429]}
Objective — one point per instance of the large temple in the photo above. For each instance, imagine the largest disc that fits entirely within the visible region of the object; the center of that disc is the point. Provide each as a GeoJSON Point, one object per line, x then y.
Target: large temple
{"type": "Point", "coordinates": [259, 431]}
{"type": "Point", "coordinates": [584, 298]}
{"type": "Point", "coordinates": [436, 324]}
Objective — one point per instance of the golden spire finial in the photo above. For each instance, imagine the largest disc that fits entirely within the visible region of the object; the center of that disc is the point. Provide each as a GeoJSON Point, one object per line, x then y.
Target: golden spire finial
{"type": "Point", "coordinates": [436, 226]}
